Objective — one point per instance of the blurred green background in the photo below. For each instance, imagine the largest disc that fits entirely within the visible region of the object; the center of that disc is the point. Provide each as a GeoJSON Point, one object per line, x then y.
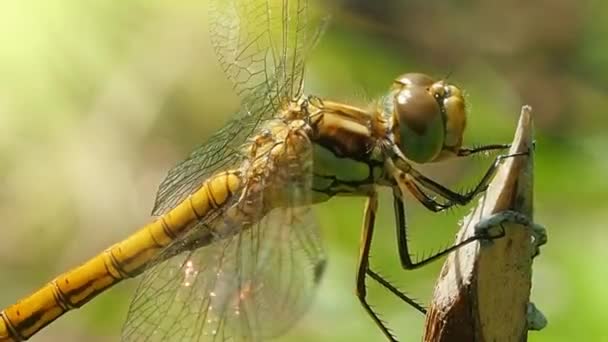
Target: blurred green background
{"type": "Point", "coordinates": [99, 98]}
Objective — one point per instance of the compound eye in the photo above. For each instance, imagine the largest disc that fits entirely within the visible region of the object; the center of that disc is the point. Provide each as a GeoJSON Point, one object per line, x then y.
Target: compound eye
{"type": "Point", "coordinates": [414, 79]}
{"type": "Point", "coordinates": [419, 118]}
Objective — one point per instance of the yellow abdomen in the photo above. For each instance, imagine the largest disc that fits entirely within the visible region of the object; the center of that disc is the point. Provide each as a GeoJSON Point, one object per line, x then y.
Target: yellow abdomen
{"type": "Point", "coordinates": [125, 259]}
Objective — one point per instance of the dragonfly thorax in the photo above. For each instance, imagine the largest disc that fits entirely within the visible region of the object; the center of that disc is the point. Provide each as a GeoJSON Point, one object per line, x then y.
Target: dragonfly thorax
{"type": "Point", "coordinates": [428, 117]}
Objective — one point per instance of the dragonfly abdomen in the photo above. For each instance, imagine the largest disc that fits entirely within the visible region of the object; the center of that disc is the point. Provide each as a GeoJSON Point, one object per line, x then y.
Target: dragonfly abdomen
{"type": "Point", "coordinates": [125, 259]}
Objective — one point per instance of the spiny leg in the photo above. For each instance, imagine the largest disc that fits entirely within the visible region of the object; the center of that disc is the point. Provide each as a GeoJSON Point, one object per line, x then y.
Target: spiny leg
{"type": "Point", "coordinates": [424, 199]}
{"type": "Point", "coordinates": [402, 243]}
{"type": "Point", "coordinates": [455, 197]}
{"type": "Point", "coordinates": [367, 233]}
{"type": "Point", "coordinates": [407, 177]}
{"type": "Point", "coordinates": [465, 151]}
{"type": "Point", "coordinates": [386, 284]}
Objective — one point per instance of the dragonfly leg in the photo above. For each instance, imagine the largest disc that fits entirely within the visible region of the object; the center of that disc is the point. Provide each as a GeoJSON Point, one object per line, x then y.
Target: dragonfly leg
{"type": "Point", "coordinates": [402, 243]}
{"type": "Point", "coordinates": [363, 263]}
{"type": "Point", "coordinates": [465, 151]}
{"type": "Point", "coordinates": [453, 196]}
{"type": "Point", "coordinates": [428, 202]}
{"type": "Point", "coordinates": [483, 231]}
{"type": "Point", "coordinates": [387, 285]}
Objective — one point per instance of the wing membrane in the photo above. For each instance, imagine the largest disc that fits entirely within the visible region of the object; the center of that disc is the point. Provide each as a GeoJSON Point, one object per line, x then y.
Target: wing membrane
{"type": "Point", "coordinates": [255, 279]}
{"type": "Point", "coordinates": [261, 45]}
{"type": "Point", "coordinates": [259, 42]}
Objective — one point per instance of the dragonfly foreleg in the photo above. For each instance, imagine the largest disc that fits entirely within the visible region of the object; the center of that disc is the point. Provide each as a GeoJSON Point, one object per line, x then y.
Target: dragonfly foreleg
{"type": "Point", "coordinates": [428, 202]}
{"type": "Point", "coordinates": [465, 151]}
{"type": "Point", "coordinates": [454, 197]}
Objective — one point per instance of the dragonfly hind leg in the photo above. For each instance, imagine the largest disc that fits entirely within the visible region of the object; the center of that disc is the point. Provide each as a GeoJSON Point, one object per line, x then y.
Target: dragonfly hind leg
{"type": "Point", "coordinates": [404, 297]}
{"type": "Point", "coordinates": [363, 264]}
{"type": "Point", "coordinates": [364, 270]}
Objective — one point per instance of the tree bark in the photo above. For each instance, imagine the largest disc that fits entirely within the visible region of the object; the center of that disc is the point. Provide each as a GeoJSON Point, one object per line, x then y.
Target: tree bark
{"type": "Point", "coordinates": [483, 291]}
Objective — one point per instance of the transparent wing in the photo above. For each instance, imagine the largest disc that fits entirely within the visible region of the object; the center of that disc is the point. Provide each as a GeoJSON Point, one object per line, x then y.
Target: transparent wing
{"type": "Point", "coordinates": [222, 150]}
{"type": "Point", "coordinates": [253, 281]}
{"type": "Point", "coordinates": [261, 45]}
{"type": "Point", "coordinates": [262, 42]}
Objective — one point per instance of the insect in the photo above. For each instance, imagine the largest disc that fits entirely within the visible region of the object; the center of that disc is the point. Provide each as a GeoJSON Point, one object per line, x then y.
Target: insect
{"type": "Point", "coordinates": [234, 251]}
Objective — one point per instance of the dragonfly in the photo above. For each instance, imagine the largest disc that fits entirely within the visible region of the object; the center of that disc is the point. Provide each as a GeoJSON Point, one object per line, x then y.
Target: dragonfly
{"type": "Point", "coordinates": [234, 251]}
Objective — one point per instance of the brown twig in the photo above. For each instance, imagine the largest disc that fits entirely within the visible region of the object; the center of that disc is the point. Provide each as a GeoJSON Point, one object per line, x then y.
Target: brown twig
{"type": "Point", "coordinates": [483, 291]}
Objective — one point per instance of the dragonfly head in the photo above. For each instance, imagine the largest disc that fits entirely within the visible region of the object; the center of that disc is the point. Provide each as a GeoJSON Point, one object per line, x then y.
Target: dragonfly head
{"type": "Point", "coordinates": [428, 117]}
